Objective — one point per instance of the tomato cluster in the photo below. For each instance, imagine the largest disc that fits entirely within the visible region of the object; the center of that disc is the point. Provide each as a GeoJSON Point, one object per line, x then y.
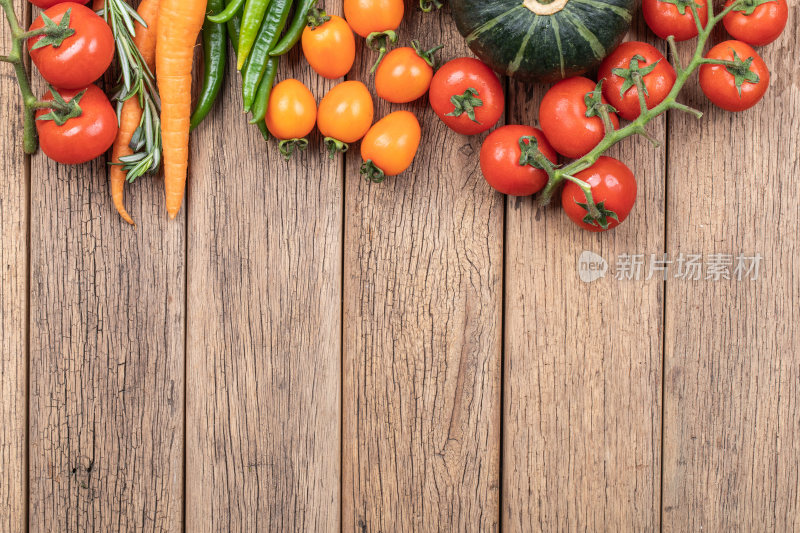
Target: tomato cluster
{"type": "Point", "coordinates": [72, 47]}
{"type": "Point", "coordinates": [577, 114]}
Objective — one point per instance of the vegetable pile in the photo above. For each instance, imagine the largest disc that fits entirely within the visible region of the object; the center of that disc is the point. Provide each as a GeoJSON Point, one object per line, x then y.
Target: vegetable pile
{"type": "Point", "coordinates": [72, 46]}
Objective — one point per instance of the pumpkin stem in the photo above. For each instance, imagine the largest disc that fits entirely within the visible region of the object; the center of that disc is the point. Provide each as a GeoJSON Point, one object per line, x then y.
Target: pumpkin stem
{"type": "Point", "coordinates": [540, 7]}
{"type": "Point", "coordinates": [466, 103]}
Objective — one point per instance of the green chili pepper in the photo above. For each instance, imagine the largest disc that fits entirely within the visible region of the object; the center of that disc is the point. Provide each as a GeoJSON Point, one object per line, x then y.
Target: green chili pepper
{"type": "Point", "coordinates": [261, 101]}
{"type": "Point", "coordinates": [234, 27]}
{"type": "Point", "coordinates": [295, 31]}
{"type": "Point", "coordinates": [252, 20]}
{"type": "Point", "coordinates": [228, 13]}
{"type": "Point", "coordinates": [268, 35]}
{"type": "Point", "coordinates": [215, 54]}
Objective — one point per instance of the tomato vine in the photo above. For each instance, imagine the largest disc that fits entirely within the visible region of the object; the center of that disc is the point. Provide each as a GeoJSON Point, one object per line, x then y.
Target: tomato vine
{"type": "Point", "coordinates": [558, 175]}
{"type": "Point", "coordinates": [30, 141]}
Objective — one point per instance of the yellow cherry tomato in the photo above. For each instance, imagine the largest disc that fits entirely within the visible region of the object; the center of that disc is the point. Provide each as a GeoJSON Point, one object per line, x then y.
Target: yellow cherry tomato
{"type": "Point", "coordinates": [373, 16]}
{"type": "Point", "coordinates": [329, 47]}
{"type": "Point", "coordinates": [390, 146]}
{"type": "Point", "coordinates": [405, 74]}
{"type": "Point", "coordinates": [291, 115]}
{"type": "Point", "coordinates": [345, 115]}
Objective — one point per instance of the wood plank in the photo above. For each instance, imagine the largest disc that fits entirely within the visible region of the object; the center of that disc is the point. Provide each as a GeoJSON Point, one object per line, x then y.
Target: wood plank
{"type": "Point", "coordinates": [582, 361]}
{"type": "Point", "coordinates": [264, 330]}
{"type": "Point", "coordinates": [422, 357]}
{"type": "Point", "coordinates": [732, 376]}
{"type": "Point", "coordinates": [14, 183]}
{"type": "Point", "coordinates": [106, 354]}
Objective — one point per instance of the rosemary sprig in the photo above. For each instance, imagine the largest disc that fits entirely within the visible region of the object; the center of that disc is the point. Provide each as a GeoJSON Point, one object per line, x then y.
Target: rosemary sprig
{"type": "Point", "coordinates": [135, 81]}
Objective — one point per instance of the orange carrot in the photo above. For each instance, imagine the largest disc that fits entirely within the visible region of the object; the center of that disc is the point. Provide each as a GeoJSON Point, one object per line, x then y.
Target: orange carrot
{"type": "Point", "coordinates": [145, 38]}
{"type": "Point", "coordinates": [131, 114]}
{"type": "Point", "coordinates": [129, 120]}
{"type": "Point", "coordinates": [179, 24]}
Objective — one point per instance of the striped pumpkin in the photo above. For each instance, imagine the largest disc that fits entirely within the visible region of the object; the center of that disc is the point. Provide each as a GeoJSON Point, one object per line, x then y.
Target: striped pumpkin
{"type": "Point", "coordinates": [533, 40]}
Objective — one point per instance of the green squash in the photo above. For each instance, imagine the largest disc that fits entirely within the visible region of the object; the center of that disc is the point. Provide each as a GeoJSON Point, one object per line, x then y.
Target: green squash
{"type": "Point", "coordinates": [539, 40]}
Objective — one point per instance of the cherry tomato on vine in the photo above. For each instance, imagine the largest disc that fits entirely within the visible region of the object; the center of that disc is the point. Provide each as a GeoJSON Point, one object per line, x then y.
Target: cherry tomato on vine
{"type": "Point", "coordinates": [390, 146]}
{"type": "Point", "coordinates": [674, 17]}
{"type": "Point", "coordinates": [613, 191]}
{"type": "Point", "coordinates": [329, 47]}
{"type": "Point", "coordinates": [79, 59]}
{"type": "Point", "coordinates": [620, 70]}
{"type": "Point", "coordinates": [563, 117]}
{"type": "Point", "coordinates": [291, 115]}
{"type": "Point", "coordinates": [373, 16]}
{"type": "Point", "coordinates": [739, 85]}
{"type": "Point", "coordinates": [510, 171]}
{"type": "Point", "coordinates": [467, 96]}
{"type": "Point", "coordinates": [44, 4]}
{"type": "Point", "coordinates": [345, 115]}
{"type": "Point", "coordinates": [81, 134]}
{"type": "Point", "coordinates": [759, 22]}
{"type": "Point", "coordinates": [405, 74]}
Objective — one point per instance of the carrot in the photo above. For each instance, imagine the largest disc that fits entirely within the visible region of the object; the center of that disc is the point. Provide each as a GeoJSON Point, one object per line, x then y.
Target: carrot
{"type": "Point", "coordinates": [145, 38]}
{"type": "Point", "coordinates": [129, 120]}
{"type": "Point", "coordinates": [131, 113]}
{"type": "Point", "coordinates": [179, 24]}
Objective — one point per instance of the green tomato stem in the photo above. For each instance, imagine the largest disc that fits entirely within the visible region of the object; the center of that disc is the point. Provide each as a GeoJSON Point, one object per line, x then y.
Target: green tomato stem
{"type": "Point", "coordinates": [30, 141]}
{"type": "Point", "coordinates": [637, 127]}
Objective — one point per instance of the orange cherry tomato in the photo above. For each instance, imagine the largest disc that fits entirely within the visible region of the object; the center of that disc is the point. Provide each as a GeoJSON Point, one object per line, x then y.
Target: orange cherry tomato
{"type": "Point", "coordinates": [291, 115]}
{"type": "Point", "coordinates": [345, 115]}
{"type": "Point", "coordinates": [405, 74]}
{"type": "Point", "coordinates": [329, 47]}
{"type": "Point", "coordinates": [390, 146]}
{"type": "Point", "coordinates": [373, 16]}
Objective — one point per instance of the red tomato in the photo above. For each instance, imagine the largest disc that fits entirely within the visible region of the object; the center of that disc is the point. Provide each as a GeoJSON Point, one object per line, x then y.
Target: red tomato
{"type": "Point", "coordinates": [405, 74]}
{"type": "Point", "coordinates": [501, 157]}
{"type": "Point", "coordinates": [44, 4]}
{"type": "Point", "coordinates": [477, 90]}
{"type": "Point", "coordinates": [86, 136]}
{"type": "Point", "coordinates": [562, 115]}
{"type": "Point", "coordinates": [619, 87]}
{"type": "Point", "coordinates": [82, 57]}
{"type": "Point", "coordinates": [739, 86]}
{"type": "Point", "coordinates": [759, 23]}
{"type": "Point", "coordinates": [676, 19]}
{"type": "Point", "coordinates": [613, 191]}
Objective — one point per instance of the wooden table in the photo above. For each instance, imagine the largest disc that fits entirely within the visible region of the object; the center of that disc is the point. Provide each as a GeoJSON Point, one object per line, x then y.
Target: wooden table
{"type": "Point", "coordinates": [301, 350]}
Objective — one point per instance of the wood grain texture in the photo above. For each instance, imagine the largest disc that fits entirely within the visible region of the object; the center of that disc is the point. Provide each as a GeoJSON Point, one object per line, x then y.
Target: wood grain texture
{"type": "Point", "coordinates": [732, 377]}
{"type": "Point", "coordinates": [264, 326]}
{"type": "Point", "coordinates": [14, 182]}
{"type": "Point", "coordinates": [106, 354]}
{"type": "Point", "coordinates": [582, 414]}
{"type": "Point", "coordinates": [423, 293]}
